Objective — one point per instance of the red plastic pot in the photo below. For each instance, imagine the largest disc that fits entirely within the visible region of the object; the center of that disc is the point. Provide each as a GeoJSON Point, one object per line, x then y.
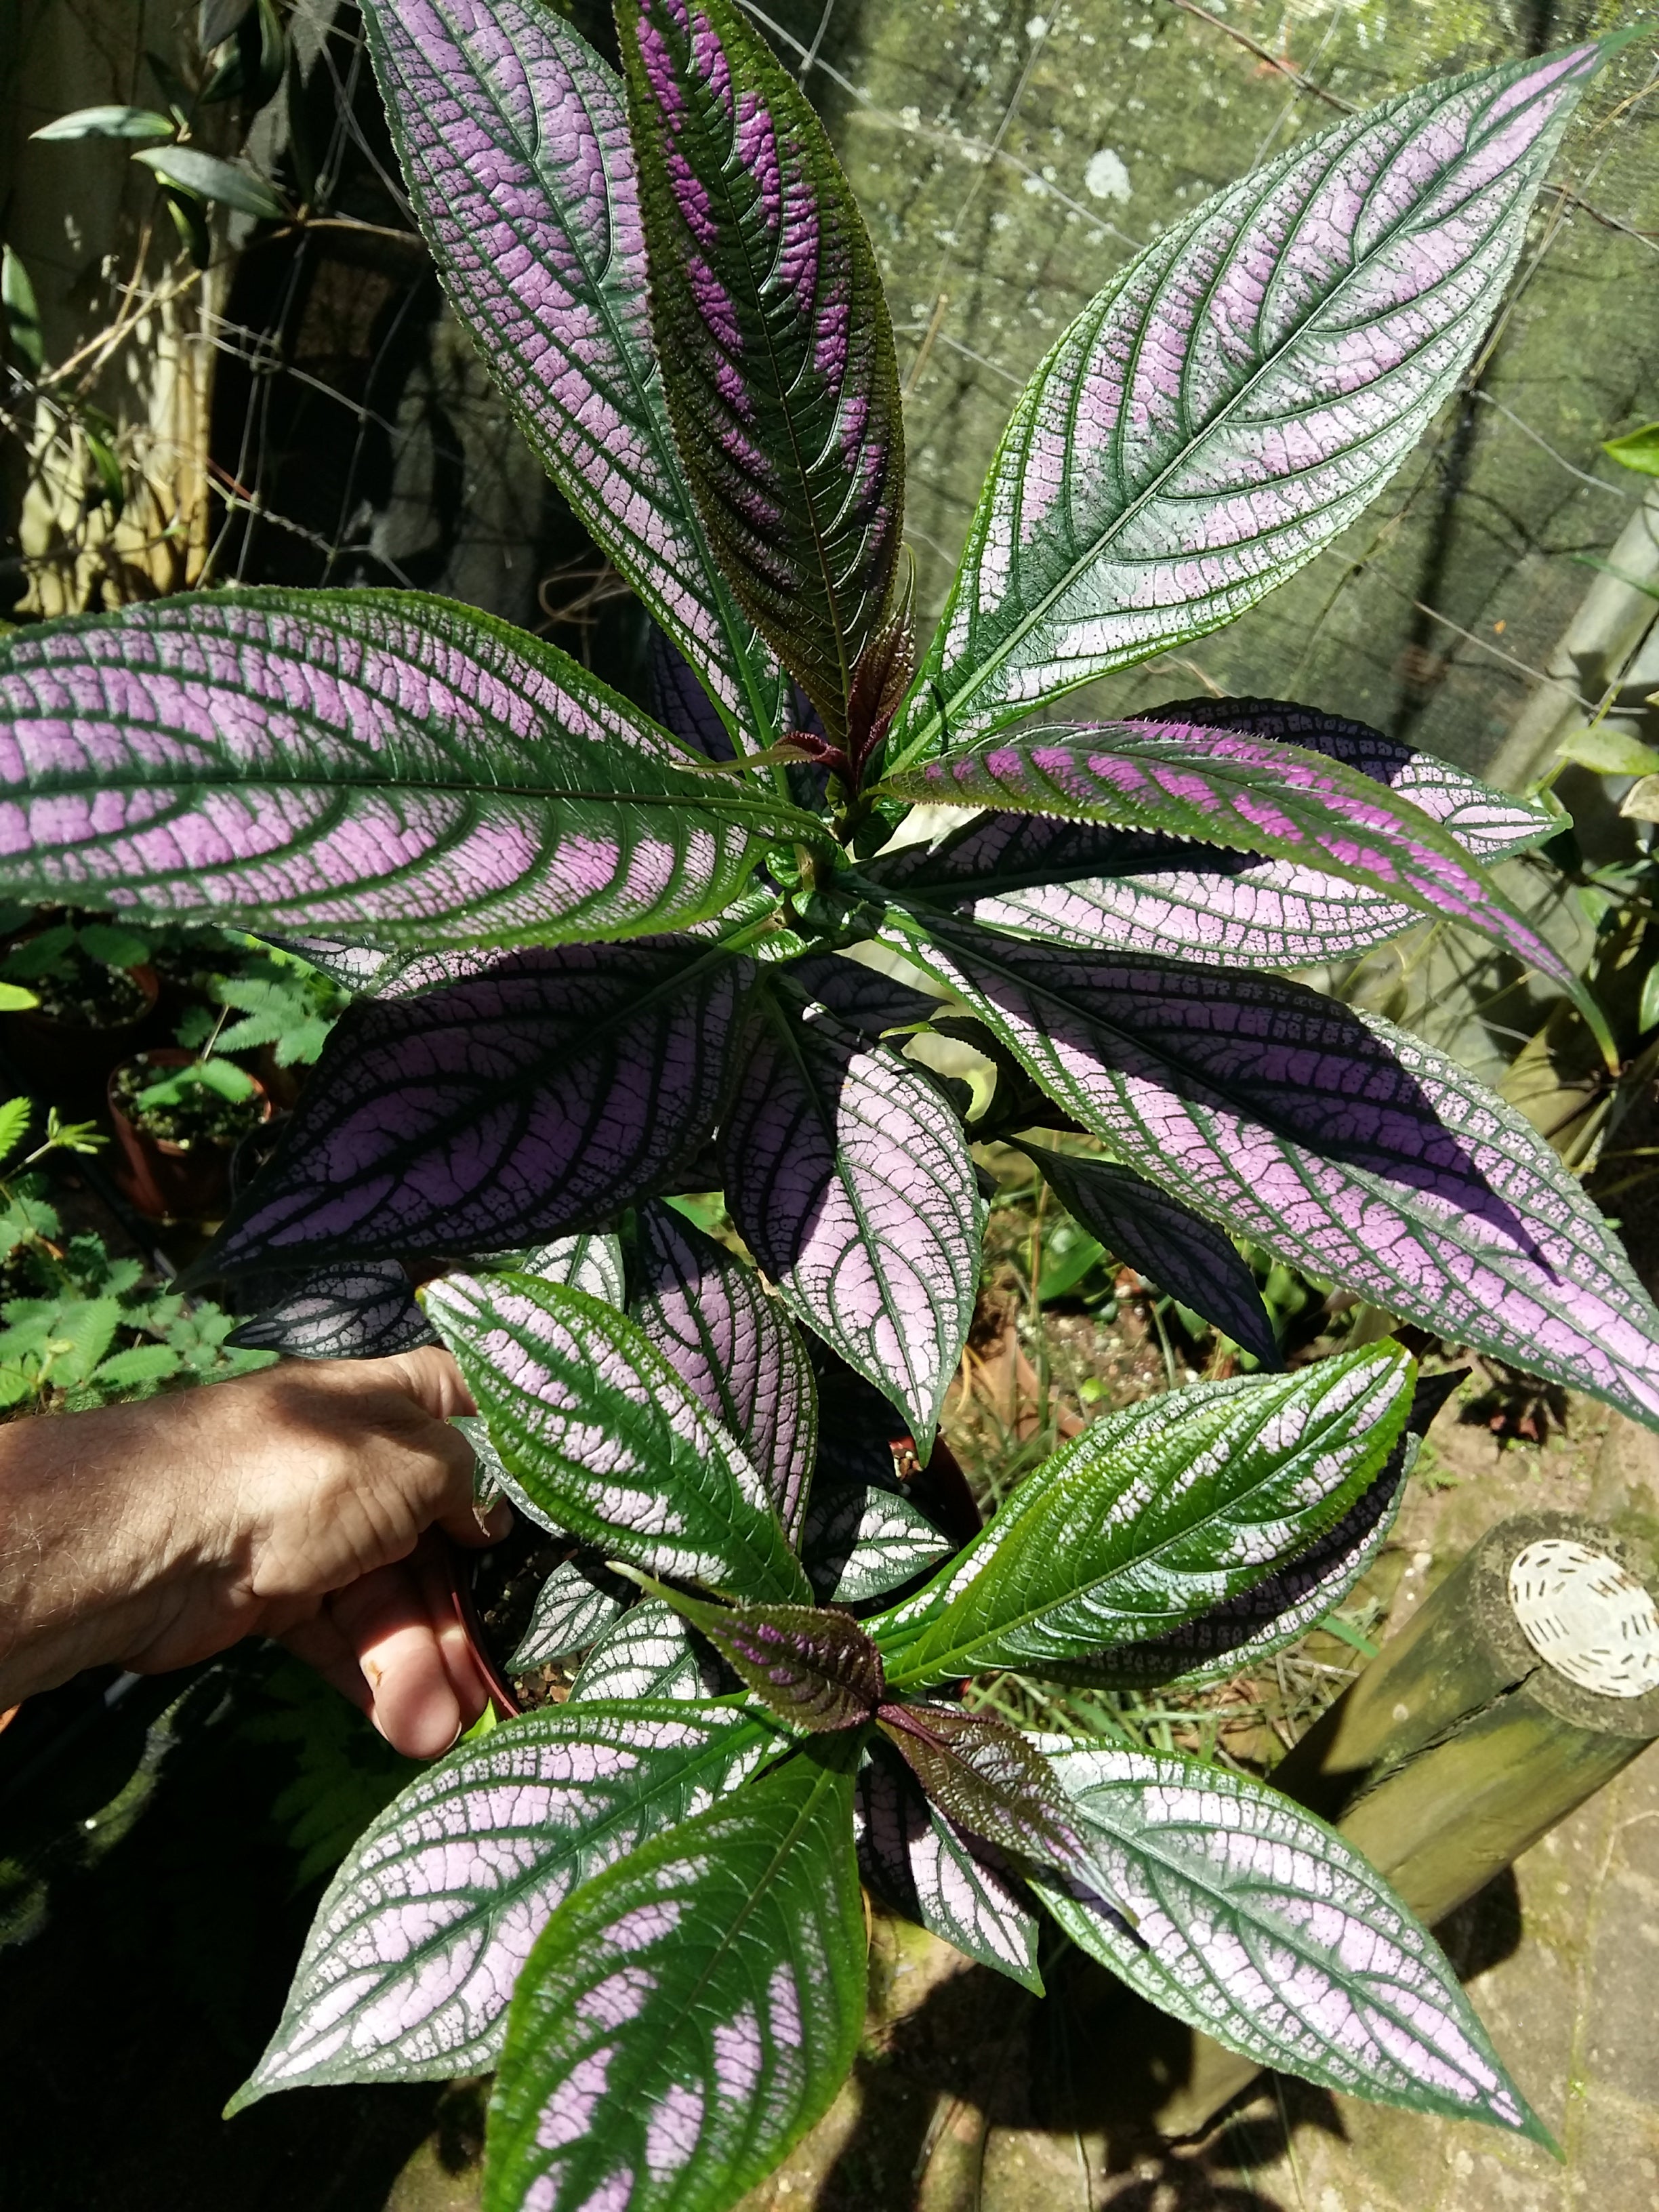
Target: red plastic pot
{"type": "Point", "coordinates": [68, 1063]}
{"type": "Point", "coordinates": [459, 1567]}
{"type": "Point", "coordinates": [162, 1180]}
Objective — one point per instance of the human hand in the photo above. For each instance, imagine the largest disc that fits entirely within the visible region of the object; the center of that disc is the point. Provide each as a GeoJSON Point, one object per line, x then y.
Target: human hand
{"type": "Point", "coordinates": [295, 1502]}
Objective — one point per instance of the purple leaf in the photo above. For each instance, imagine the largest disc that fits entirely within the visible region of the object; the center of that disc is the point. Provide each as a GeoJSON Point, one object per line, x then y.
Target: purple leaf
{"type": "Point", "coordinates": [680, 703]}
{"type": "Point", "coordinates": [1249, 793]}
{"type": "Point", "coordinates": [1087, 885]}
{"type": "Point", "coordinates": [862, 997]}
{"type": "Point", "coordinates": [517, 1105]}
{"type": "Point", "coordinates": [407, 1970]}
{"type": "Point", "coordinates": [1294, 1598]}
{"type": "Point", "coordinates": [1191, 1259]}
{"type": "Point", "coordinates": [599, 1433]}
{"type": "Point", "coordinates": [1228, 1906]}
{"type": "Point", "coordinates": [735, 1348]}
{"type": "Point", "coordinates": [366, 1311]}
{"type": "Point", "coordinates": [1342, 1146]}
{"type": "Point", "coordinates": [774, 336]}
{"type": "Point", "coordinates": [987, 1777]}
{"type": "Point", "coordinates": [364, 762]}
{"type": "Point", "coordinates": [850, 1181]}
{"type": "Point", "coordinates": [817, 1669]}
{"type": "Point", "coordinates": [937, 1875]}
{"type": "Point", "coordinates": [513, 143]}
{"type": "Point", "coordinates": [1241, 392]}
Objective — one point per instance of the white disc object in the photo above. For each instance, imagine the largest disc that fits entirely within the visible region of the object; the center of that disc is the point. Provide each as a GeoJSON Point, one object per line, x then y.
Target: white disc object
{"type": "Point", "coordinates": [1586, 1616]}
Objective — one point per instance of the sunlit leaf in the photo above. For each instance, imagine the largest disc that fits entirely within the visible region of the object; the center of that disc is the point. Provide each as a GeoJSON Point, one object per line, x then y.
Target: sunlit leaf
{"type": "Point", "coordinates": [849, 1178]}
{"type": "Point", "coordinates": [411, 1961]}
{"type": "Point", "coordinates": [361, 761]}
{"type": "Point", "coordinates": [1257, 1922]}
{"type": "Point", "coordinates": [1154, 1513]}
{"type": "Point", "coordinates": [1340, 1144]}
{"type": "Point", "coordinates": [687, 2016]}
{"type": "Point", "coordinates": [1241, 392]}
{"type": "Point", "coordinates": [513, 142]}
{"type": "Point", "coordinates": [772, 331]}
{"type": "Point", "coordinates": [361, 1310]}
{"type": "Point", "coordinates": [598, 1429]}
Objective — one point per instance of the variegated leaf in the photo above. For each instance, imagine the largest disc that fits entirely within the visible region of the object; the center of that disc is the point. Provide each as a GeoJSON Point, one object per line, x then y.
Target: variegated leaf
{"type": "Point", "coordinates": [1251, 793]}
{"type": "Point", "coordinates": [774, 336]}
{"type": "Point", "coordinates": [513, 139]}
{"type": "Point", "coordinates": [734, 1347]}
{"type": "Point", "coordinates": [1341, 1144]}
{"type": "Point", "coordinates": [1184, 1254]}
{"type": "Point", "coordinates": [1258, 1924]}
{"type": "Point", "coordinates": [1153, 1514]}
{"type": "Point", "coordinates": [849, 1179]}
{"type": "Point", "coordinates": [375, 762]}
{"type": "Point", "coordinates": [1240, 391]}
{"type": "Point", "coordinates": [936, 1875]}
{"type": "Point", "coordinates": [600, 1432]}
{"type": "Point", "coordinates": [411, 1961]}
{"type": "Point", "coordinates": [592, 1263]}
{"type": "Point", "coordinates": [574, 1607]}
{"type": "Point", "coordinates": [523, 1103]}
{"type": "Point", "coordinates": [648, 1653]}
{"type": "Point", "coordinates": [687, 2016]}
{"type": "Point", "coordinates": [361, 1311]}
{"type": "Point", "coordinates": [1279, 1609]}
{"type": "Point", "coordinates": [858, 1544]}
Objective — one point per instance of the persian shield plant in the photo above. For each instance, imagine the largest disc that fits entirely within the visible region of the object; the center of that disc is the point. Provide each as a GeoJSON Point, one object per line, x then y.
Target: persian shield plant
{"type": "Point", "coordinates": [598, 956]}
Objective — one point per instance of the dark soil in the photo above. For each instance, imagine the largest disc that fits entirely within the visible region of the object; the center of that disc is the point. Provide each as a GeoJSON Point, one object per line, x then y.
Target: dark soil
{"type": "Point", "coordinates": [201, 1116]}
{"type": "Point", "coordinates": [504, 1588]}
{"type": "Point", "coordinates": [82, 994]}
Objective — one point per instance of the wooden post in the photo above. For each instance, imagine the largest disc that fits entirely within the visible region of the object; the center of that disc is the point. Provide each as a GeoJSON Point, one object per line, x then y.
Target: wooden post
{"type": "Point", "coordinates": [1466, 1739]}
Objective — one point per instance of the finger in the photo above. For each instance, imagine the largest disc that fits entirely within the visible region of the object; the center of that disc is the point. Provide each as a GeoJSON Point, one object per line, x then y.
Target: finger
{"type": "Point", "coordinates": [384, 1618]}
{"type": "Point", "coordinates": [477, 1525]}
{"type": "Point", "coordinates": [433, 1380]}
{"type": "Point", "coordinates": [320, 1644]}
{"type": "Point", "coordinates": [454, 1644]}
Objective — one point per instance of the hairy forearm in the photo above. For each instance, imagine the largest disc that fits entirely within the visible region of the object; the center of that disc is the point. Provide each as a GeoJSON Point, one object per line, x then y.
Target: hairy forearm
{"type": "Point", "coordinates": [102, 1534]}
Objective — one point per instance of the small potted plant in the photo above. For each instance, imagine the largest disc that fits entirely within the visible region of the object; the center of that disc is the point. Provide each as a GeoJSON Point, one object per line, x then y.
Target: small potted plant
{"type": "Point", "coordinates": [93, 990]}
{"type": "Point", "coordinates": [177, 1117]}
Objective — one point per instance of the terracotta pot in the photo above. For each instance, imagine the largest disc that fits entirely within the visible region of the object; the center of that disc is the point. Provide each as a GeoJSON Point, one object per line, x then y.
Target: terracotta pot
{"type": "Point", "coordinates": [460, 1566]}
{"type": "Point", "coordinates": [68, 1064]}
{"type": "Point", "coordinates": [165, 1180]}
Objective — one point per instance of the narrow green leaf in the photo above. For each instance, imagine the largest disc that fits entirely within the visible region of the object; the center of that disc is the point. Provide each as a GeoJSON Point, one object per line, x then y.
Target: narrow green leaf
{"type": "Point", "coordinates": [1152, 1514]}
{"type": "Point", "coordinates": [14, 1112]}
{"type": "Point", "coordinates": [686, 2016]}
{"type": "Point", "coordinates": [1636, 449]}
{"type": "Point", "coordinates": [597, 1430]}
{"type": "Point", "coordinates": [107, 123]}
{"type": "Point", "coordinates": [22, 313]}
{"type": "Point", "coordinates": [187, 169]}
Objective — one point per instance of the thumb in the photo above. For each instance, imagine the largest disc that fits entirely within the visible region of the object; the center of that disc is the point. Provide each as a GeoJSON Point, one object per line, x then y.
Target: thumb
{"type": "Point", "coordinates": [430, 1376]}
